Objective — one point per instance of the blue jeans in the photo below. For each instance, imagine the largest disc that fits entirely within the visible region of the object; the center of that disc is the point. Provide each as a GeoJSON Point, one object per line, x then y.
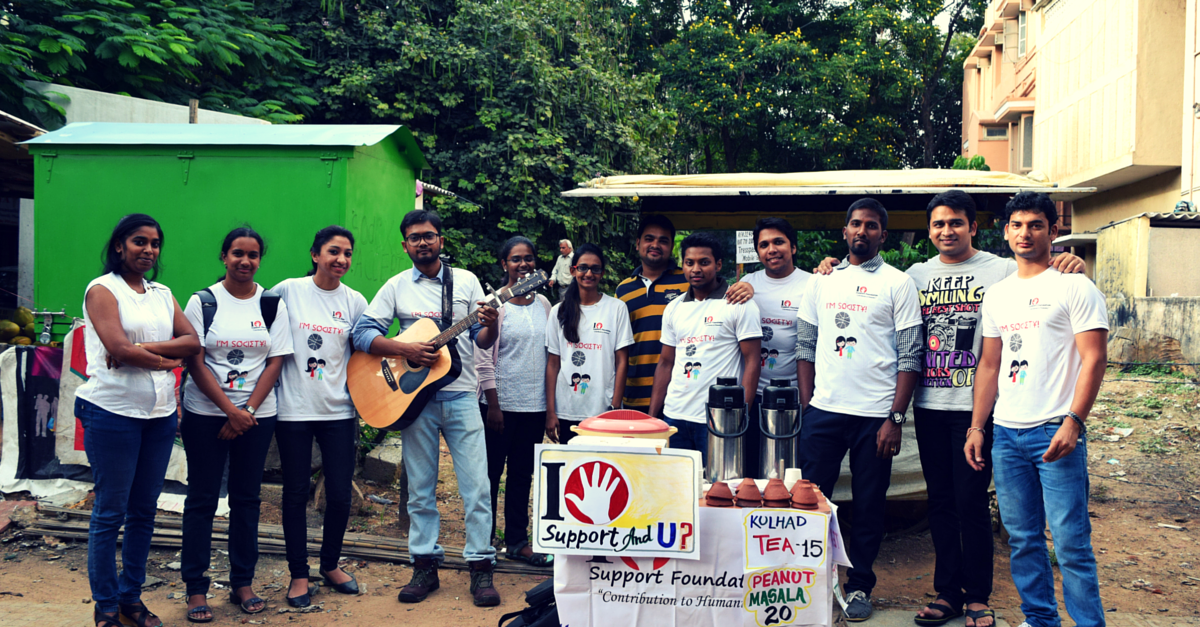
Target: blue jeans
{"type": "Point", "coordinates": [692, 436]}
{"type": "Point", "coordinates": [129, 461]}
{"type": "Point", "coordinates": [1032, 493]}
{"type": "Point", "coordinates": [458, 422]}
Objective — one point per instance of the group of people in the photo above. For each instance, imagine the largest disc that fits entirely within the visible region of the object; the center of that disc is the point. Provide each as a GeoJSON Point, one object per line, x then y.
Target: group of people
{"type": "Point", "coordinates": [859, 338]}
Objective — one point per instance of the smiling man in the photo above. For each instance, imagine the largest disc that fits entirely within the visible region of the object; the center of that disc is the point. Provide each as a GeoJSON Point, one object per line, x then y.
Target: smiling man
{"type": "Point", "coordinates": [1053, 326]}
{"type": "Point", "coordinates": [855, 395]}
{"type": "Point", "coordinates": [432, 289]}
{"type": "Point", "coordinates": [709, 330]}
{"type": "Point", "coordinates": [778, 290]}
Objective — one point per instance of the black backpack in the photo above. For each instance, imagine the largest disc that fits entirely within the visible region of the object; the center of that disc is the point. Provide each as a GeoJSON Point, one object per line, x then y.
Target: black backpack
{"type": "Point", "coordinates": [542, 611]}
{"type": "Point", "coordinates": [268, 306]}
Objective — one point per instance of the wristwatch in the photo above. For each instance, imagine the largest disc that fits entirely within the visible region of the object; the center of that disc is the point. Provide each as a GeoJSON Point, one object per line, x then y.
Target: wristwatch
{"type": "Point", "coordinates": [898, 417]}
{"type": "Point", "coordinates": [250, 410]}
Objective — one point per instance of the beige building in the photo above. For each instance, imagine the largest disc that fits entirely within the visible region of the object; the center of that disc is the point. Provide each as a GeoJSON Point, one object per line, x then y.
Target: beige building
{"type": "Point", "coordinates": [1104, 94]}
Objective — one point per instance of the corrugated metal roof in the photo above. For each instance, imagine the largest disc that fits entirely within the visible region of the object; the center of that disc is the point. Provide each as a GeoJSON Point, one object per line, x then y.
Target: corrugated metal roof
{"type": "Point", "coordinates": [1189, 219]}
{"type": "Point", "coordinates": [110, 133]}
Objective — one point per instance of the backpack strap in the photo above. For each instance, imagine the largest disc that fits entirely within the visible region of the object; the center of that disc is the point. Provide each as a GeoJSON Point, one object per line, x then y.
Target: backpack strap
{"type": "Point", "coordinates": [208, 307]}
{"type": "Point", "coordinates": [269, 306]}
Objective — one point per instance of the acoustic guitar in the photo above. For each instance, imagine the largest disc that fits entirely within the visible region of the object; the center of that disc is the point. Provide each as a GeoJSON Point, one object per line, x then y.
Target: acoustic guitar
{"type": "Point", "coordinates": [390, 392]}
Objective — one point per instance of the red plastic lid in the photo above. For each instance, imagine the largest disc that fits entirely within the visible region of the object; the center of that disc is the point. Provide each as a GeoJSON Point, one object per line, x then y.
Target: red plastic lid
{"type": "Point", "coordinates": [623, 421]}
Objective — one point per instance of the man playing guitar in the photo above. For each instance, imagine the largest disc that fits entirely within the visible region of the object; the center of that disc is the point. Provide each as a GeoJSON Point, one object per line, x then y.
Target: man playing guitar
{"type": "Point", "coordinates": [431, 289]}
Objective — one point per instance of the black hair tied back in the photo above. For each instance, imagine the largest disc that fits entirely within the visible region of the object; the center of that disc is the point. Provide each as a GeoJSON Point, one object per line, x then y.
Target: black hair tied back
{"type": "Point", "coordinates": [322, 238]}
{"type": "Point", "coordinates": [570, 312]}
{"type": "Point", "coordinates": [126, 227]}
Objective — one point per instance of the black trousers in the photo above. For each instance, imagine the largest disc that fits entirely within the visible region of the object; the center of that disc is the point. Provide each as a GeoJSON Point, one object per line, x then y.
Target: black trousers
{"type": "Point", "coordinates": [514, 446]}
{"type": "Point", "coordinates": [825, 438]}
{"type": "Point", "coordinates": [960, 522]}
{"type": "Point", "coordinates": [206, 456]}
{"type": "Point", "coordinates": [338, 450]}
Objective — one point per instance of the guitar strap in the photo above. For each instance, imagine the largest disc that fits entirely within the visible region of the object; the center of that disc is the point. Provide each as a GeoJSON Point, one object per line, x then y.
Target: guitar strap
{"type": "Point", "coordinates": [447, 297]}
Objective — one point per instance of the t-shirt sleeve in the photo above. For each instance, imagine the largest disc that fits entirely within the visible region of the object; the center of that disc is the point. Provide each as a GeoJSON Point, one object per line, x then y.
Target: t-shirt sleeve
{"type": "Point", "coordinates": [281, 333]}
{"type": "Point", "coordinates": [383, 306]}
{"type": "Point", "coordinates": [748, 325]}
{"type": "Point", "coordinates": [282, 288]}
{"type": "Point", "coordinates": [1088, 309]}
{"type": "Point", "coordinates": [668, 338]}
{"type": "Point", "coordinates": [986, 308]}
{"type": "Point", "coordinates": [358, 304]}
{"type": "Point", "coordinates": [807, 311]}
{"type": "Point", "coordinates": [906, 305]}
{"type": "Point", "coordinates": [622, 325]}
{"type": "Point", "coordinates": [554, 333]}
{"type": "Point", "coordinates": [192, 313]}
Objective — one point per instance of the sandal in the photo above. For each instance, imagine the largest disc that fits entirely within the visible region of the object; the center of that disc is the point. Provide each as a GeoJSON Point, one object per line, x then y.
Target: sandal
{"type": "Point", "coordinates": [975, 615]}
{"type": "Point", "coordinates": [540, 560]}
{"type": "Point", "coordinates": [138, 613]}
{"type": "Point", "coordinates": [245, 605]}
{"type": "Point", "coordinates": [948, 614]}
{"type": "Point", "coordinates": [104, 619]}
{"type": "Point", "coordinates": [193, 614]}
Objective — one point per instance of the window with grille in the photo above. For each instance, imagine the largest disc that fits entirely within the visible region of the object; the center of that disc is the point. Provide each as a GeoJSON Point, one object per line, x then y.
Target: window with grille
{"type": "Point", "coordinates": [1022, 29]}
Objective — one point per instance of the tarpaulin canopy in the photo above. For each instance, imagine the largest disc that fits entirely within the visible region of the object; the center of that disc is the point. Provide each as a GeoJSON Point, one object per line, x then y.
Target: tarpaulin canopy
{"type": "Point", "coordinates": [812, 200]}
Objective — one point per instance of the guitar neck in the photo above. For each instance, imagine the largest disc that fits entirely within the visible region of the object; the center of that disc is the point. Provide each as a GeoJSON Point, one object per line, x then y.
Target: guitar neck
{"type": "Point", "coordinates": [457, 329]}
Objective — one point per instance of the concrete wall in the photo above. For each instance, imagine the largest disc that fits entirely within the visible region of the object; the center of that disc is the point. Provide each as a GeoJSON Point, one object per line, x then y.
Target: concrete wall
{"type": "Point", "coordinates": [1122, 259]}
{"type": "Point", "coordinates": [85, 105]}
{"type": "Point", "coordinates": [1172, 250]}
{"type": "Point", "coordinates": [1154, 329]}
{"type": "Point", "coordinates": [1152, 195]}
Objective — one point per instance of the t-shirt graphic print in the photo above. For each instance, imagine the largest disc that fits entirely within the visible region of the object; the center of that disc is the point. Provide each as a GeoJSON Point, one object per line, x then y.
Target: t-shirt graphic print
{"type": "Point", "coordinates": [1036, 320]}
{"type": "Point", "coordinates": [587, 368]}
{"type": "Point", "coordinates": [951, 301]}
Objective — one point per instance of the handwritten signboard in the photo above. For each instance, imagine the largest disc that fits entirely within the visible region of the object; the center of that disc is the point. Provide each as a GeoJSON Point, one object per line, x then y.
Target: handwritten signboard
{"type": "Point", "coordinates": [715, 589]}
{"type": "Point", "coordinates": [745, 247]}
{"type": "Point", "coordinates": [616, 501]}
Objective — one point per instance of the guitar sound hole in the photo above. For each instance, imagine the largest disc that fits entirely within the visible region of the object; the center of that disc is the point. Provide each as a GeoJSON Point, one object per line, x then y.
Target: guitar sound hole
{"type": "Point", "coordinates": [411, 365]}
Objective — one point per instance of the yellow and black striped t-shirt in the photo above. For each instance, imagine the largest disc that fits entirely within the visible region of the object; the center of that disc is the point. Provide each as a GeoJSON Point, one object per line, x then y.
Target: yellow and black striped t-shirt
{"type": "Point", "coordinates": [646, 305]}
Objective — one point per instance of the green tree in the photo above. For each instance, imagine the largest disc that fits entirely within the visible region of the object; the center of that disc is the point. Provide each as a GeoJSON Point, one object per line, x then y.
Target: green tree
{"type": "Point", "coordinates": [513, 101]}
{"type": "Point", "coordinates": [219, 52]}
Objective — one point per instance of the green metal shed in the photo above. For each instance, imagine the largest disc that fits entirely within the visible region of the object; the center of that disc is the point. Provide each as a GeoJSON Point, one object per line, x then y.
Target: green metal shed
{"type": "Point", "coordinates": [201, 180]}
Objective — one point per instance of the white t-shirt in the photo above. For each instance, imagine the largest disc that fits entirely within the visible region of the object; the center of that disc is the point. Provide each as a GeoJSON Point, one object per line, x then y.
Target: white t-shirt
{"type": "Point", "coordinates": [312, 385]}
{"type": "Point", "coordinates": [236, 349]}
{"type": "Point", "coordinates": [130, 391]}
{"type": "Point", "coordinates": [857, 314]}
{"type": "Point", "coordinates": [407, 301]}
{"type": "Point", "coordinates": [1037, 320]}
{"type": "Point", "coordinates": [706, 336]}
{"type": "Point", "coordinates": [778, 302]}
{"type": "Point", "coordinates": [587, 370]}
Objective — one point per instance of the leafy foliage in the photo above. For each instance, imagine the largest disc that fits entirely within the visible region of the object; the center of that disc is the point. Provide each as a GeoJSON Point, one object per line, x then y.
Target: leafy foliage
{"type": "Point", "coordinates": [805, 86]}
{"type": "Point", "coordinates": [974, 163]}
{"type": "Point", "coordinates": [168, 50]}
{"type": "Point", "coordinates": [512, 101]}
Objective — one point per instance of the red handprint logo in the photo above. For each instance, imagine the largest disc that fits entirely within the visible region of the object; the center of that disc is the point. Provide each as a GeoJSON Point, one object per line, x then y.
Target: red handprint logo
{"type": "Point", "coordinates": [597, 493]}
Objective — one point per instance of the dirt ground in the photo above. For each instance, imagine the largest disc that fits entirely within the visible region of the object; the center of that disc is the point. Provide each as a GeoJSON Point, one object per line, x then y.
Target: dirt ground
{"type": "Point", "coordinates": [1145, 513]}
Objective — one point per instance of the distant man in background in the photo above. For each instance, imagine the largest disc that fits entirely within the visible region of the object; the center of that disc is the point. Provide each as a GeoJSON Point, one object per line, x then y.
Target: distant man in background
{"type": "Point", "coordinates": [1055, 327]}
{"type": "Point", "coordinates": [561, 276]}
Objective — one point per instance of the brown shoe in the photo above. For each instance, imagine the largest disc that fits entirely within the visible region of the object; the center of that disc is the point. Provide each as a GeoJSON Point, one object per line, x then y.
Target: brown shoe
{"type": "Point", "coordinates": [424, 581]}
{"type": "Point", "coordinates": [482, 590]}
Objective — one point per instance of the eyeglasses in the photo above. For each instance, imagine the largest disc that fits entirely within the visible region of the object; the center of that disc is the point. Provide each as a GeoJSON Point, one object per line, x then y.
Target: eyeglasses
{"type": "Point", "coordinates": [527, 259]}
{"type": "Point", "coordinates": [427, 236]}
{"type": "Point", "coordinates": [583, 268]}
